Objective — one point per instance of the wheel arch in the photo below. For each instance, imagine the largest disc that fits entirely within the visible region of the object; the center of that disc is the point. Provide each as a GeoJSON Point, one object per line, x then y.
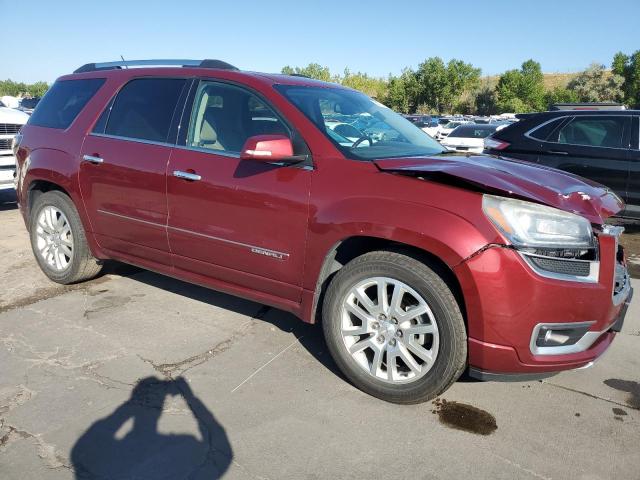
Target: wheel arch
{"type": "Point", "coordinates": [345, 250]}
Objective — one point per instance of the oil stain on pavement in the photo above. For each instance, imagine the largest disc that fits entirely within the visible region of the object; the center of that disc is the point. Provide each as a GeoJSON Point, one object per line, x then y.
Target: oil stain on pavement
{"type": "Point", "coordinates": [464, 417]}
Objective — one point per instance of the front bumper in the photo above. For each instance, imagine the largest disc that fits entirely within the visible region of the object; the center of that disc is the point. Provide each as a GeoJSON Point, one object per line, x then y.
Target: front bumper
{"type": "Point", "coordinates": [7, 173]}
{"type": "Point", "coordinates": [506, 301]}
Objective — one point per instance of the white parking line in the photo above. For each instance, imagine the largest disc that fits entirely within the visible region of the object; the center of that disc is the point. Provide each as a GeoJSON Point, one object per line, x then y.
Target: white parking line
{"type": "Point", "coordinates": [271, 360]}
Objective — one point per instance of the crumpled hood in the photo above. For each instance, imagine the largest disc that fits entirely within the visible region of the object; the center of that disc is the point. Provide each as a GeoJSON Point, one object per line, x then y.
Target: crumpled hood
{"type": "Point", "coordinates": [513, 178]}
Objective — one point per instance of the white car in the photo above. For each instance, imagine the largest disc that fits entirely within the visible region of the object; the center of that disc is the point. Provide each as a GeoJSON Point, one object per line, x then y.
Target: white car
{"type": "Point", "coordinates": [447, 128]}
{"type": "Point", "coordinates": [10, 122]}
{"type": "Point", "coordinates": [470, 137]}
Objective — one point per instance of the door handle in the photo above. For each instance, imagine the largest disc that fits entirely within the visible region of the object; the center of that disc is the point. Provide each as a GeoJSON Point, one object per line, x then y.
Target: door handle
{"type": "Point", "coordinates": [557, 152]}
{"type": "Point", "coordinates": [92, 159]}
{"type": "Point", "coordinates": [192, 177]}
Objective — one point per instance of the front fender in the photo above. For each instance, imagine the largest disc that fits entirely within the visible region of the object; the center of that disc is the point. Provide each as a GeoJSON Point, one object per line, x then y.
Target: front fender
{"type": "Point", "coordinates": [439, 232]}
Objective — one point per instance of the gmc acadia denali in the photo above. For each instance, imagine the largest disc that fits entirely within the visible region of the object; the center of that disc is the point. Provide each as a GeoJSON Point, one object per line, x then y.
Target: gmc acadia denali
{"type": "Point", "coordinates": [420, 263]}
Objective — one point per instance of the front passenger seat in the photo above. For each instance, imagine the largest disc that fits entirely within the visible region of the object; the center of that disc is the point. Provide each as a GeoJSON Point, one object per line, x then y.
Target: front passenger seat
{"type": "Point", "coordinates": [209, 136]}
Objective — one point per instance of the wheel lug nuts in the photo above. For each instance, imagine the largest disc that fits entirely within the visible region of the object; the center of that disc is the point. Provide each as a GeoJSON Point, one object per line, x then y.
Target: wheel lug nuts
{"type": "Point", "coordinates": [375, 325]}
{"type": "Point", "coordinates": [380, 338]}
{"type": "Point", "coordinates": [392, 342]}
{"type": "Point", "coordinates": [398, 333]}
{"type": "Point", "coordinates": [382, 317]}
{"type": "Point", "coordinates": [394, 321]}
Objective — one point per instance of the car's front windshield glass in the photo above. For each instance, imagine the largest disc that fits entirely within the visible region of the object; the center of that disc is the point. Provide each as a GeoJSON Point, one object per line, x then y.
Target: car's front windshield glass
{"type": "Point", "coordinates": [359, 126]}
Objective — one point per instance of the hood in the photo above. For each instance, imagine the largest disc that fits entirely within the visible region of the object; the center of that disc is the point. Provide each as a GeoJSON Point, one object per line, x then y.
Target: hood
{"type": "Point", "coordinates": [11, 115]}
{"type": "Point", "coordinates": [513, 178]}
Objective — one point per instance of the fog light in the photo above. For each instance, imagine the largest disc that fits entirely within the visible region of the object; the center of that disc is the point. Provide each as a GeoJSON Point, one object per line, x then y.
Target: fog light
{"type": "Point", "coordinates": [560, 335]}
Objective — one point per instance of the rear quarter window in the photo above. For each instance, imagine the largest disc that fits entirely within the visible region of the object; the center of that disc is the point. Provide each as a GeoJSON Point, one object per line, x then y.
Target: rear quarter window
{"type": "Point", "coordinates": [63, 102]}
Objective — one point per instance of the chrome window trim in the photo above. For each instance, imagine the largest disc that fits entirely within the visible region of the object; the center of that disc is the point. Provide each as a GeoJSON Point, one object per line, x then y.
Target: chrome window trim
{"type": "Point", "coordinates": [594, 269]}
{"type": "Point", "coordinates": [223, 153]}
{"type": "Point", "coordinates": [132, 139]}
{"type": "Point", "coordinates": [528, 132]}
{"type": "Point", "coordinates": [588, 339]}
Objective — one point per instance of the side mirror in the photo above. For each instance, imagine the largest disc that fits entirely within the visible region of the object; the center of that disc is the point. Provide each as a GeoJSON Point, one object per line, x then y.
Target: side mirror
{"type": "Point", "coordinates": [268, 148]}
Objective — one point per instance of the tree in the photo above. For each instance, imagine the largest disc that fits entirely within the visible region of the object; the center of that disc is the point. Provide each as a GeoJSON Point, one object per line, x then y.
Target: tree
{"type": "Point", "coordinates": [485, 100]}
{"type": "Point", "coordinates": [561, 95]}
{"type": "Point", "coordinates": [38, 89]}
{"type": "Point", "coordinates": [402, 92]}
{"type": "Point", "coordinates": [440, 86]}
{"type": "Point", "coordinates": [521, 90]}
{"type": "Point", "coordinates": [374, 87]}
{"type": "Point", "coordinates": [462, 79]}
{"type": "Point", "coordinates": [628, 67]}
{"type": "Point", "coordinates": [313, 70]}
{"type": "Point", "coordinates": [596, 84]}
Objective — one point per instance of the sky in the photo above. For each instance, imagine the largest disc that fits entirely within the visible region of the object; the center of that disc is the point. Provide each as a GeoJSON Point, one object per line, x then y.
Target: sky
{"type": "Point", "coordinates": [44, 40]}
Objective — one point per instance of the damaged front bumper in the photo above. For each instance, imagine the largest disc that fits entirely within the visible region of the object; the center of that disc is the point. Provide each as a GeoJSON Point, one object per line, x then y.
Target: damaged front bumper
{"type": "Point", "coordinates": [524, 321]}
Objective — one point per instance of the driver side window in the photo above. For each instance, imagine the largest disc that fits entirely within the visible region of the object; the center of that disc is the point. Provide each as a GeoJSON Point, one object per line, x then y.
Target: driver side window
{"type": "Point", "coordinates": [225, 116]}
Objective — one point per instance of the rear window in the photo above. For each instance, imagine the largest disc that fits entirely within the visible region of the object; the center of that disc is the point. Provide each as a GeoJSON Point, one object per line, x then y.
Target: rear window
{"type": "Point", "coordinates": [144, 109]}
{"type": "Point", "coordinates": [473, 131]}
{"type": "Point", "coordinates": [63, 102]}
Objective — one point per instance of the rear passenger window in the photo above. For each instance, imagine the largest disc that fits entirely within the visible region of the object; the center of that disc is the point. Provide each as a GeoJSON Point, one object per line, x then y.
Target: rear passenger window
{"type": "Point", "coordinates": [598, 131]}
{"type": "Point", "coordinates": [144, 109]}
{"type": "Point", "coordinates": [63, 102]}
{"type": "Point", "coordinates": [224, 117]}
{"type": "Point", "coordinates": [545, 130]}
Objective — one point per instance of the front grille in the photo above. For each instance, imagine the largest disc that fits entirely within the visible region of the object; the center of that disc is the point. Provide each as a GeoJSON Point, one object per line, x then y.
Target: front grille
{"type": "Point", "coordinates": [9, 128]}
{"type": "Point", "coordinates": [562, 267]}
{"type": "Point", "coordinates": [5, 143]}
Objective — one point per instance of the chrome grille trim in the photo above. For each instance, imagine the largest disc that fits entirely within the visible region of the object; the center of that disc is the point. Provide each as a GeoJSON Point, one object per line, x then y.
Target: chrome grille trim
{"type": "Point", "coordinates": [9, 128]}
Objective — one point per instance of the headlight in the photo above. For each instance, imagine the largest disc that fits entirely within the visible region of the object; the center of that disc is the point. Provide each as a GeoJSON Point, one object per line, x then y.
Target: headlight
{"type": "Point", "coordinates": [527, 224]}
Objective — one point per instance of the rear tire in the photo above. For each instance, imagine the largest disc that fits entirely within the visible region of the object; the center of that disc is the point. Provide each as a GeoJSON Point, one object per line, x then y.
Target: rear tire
{"type": "Point", "coordinates": [408, 348]}
{"type": "Point", "coordinates": [58, 240]}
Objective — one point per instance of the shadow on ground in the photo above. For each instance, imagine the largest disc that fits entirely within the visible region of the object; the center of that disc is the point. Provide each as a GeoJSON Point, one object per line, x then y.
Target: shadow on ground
{"type": "Point", "coordinates": [127, 444]}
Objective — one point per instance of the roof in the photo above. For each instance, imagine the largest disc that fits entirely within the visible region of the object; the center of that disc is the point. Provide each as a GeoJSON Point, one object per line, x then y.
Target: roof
{"type": "Point", "coordinates": [186, 67]}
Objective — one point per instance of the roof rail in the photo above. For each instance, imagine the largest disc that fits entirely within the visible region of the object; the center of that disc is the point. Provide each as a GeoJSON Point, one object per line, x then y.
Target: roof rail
{"type": "Point", "coordinates": [207, 63]}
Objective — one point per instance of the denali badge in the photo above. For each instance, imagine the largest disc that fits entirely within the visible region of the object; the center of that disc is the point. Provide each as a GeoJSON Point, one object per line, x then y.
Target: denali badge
{"type": "Point", "coordinates": [269, 253]}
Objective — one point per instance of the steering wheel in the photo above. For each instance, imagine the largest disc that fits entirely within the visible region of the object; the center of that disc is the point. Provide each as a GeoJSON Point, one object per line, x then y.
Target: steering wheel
{"type": "Point", "coordinates": [362, 139]}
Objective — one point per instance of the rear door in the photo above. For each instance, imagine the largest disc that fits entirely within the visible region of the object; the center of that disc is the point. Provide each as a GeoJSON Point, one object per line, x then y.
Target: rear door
{"type": "Point", "coordinates": [592, 146]}
{"type": "Point", "coordinates": [633, 188]}
{"type": "Point", "coordinates": [123, 169]}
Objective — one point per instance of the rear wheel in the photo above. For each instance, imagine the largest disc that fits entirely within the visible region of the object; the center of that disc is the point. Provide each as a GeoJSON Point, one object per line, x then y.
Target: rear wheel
{"type": "Point", "coordinates": [394, 327]}
{"type": "Point", "coordinates": [58, 240]}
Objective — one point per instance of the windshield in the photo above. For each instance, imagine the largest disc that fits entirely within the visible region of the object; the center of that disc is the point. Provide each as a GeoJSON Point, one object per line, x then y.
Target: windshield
{"type": "Point", "coordinates": [473, 131]}
{"type": "Point", "coordinates": [359, 126]}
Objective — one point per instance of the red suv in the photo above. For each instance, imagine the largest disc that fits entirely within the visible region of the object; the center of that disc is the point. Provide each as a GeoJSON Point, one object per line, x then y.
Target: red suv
{"type": "Point", "coordinates": [318, 200]}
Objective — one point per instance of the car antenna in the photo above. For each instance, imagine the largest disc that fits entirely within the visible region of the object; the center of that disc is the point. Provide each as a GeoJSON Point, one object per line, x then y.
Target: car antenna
{"type": "Point", "coordinates": [125, 66]}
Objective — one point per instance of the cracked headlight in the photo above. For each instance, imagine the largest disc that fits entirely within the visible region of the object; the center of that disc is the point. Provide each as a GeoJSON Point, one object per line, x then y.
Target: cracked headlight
{"type": "Point", "coordinates": [527, 224]}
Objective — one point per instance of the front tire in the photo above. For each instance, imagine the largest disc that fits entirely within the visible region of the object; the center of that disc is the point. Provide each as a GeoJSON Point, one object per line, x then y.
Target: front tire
{"type": "Point", "coordinates": [58, 240]}
{"type": "Point", "coordinates": [394, 328]}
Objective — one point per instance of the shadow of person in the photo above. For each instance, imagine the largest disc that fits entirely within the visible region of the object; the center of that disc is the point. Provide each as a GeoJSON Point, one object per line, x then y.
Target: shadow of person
{"type": "Point", "coordinates": [127, 444]}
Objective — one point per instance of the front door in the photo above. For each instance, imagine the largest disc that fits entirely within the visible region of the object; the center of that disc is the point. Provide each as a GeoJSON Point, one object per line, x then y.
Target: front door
{"type": "Point", "coordinates": [239, 221]}
{"type": "Point", "coordinates": [123, 169]}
